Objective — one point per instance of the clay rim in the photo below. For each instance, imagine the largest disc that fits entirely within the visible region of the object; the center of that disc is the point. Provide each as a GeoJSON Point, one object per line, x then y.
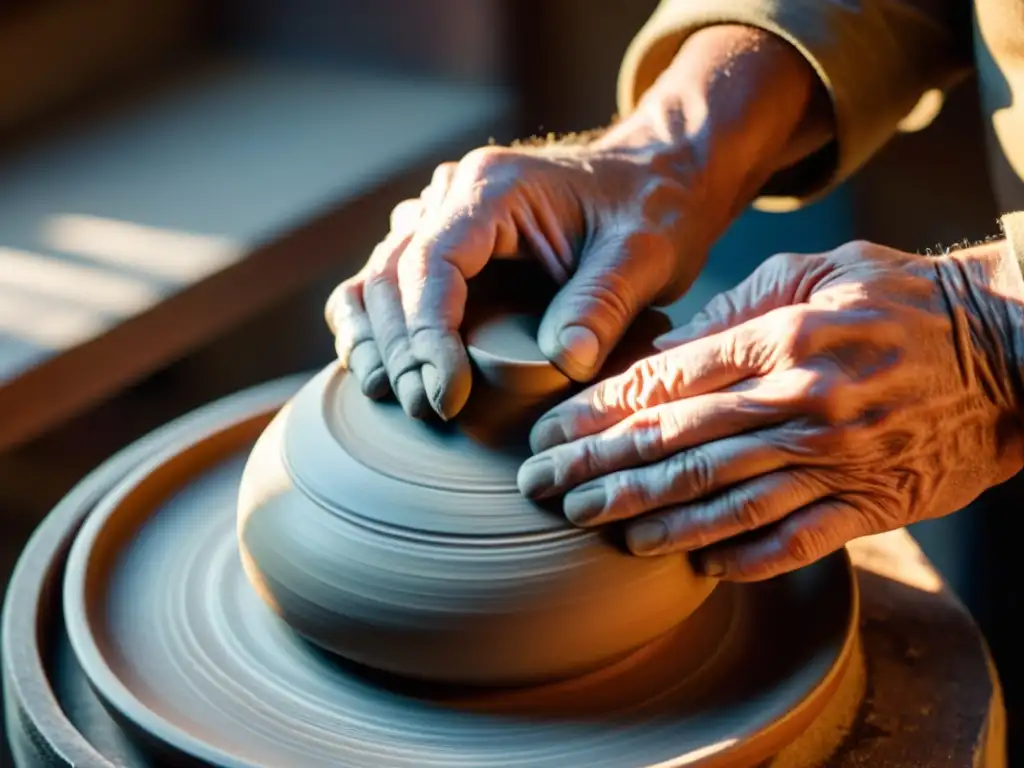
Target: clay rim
{"type": "Point", "coordinates": [79, 574]}
{"type": "Point", "coordinates": [305, 424]}
{"type": "Point", "coordinates": [116, 695]}
{"type": "Point", "coordinates": [26, 681]}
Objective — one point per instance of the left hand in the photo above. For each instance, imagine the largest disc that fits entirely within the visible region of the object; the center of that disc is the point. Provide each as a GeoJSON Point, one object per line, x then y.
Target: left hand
{"type": "Point", "coordinates": [825, 398]}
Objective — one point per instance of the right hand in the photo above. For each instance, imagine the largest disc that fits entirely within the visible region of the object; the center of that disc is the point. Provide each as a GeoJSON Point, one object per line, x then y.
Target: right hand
{"type": "Point", "coordinates": [614, 227]}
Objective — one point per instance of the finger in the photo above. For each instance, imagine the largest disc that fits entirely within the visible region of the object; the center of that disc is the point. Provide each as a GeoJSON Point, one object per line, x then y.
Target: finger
{"type": "Point", "coordinates": [705, 365]}
{"type": "Point", "coordinates": [653, 437]}
{"type": "Point", "coordinates": [451, 246]}
{"type": "Point", "coordinates": [433, 196]}
{"type": "Point", "coordinates": [405, 216]}
{"type": "Point", "coordinates": [365, 363]}
{"type": "Point", "coordinates": [616, 278]}
{"type": "Point", "coordinates": [387, 321]}
{"type": "Point", "coordinates": [353, 337]}
{"type": "Point", "coordinates": [775, 283]}
{"type": "Point", "coordinates": [803, 537]}
{"type": "Point", "coordinates": [742, 508]}
{"type": "Point", "coordinates": [690, 476]}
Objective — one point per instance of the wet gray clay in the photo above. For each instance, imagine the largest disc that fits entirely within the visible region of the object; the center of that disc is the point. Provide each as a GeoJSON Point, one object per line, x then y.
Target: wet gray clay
{"type": "Point", "coordinates": [405, 546]}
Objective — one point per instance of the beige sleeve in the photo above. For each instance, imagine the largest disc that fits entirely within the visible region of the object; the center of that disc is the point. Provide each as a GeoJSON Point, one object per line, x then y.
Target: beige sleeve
{"type": "Point", "coordinates": [877, 58]}
{"type": "Point", "coordinates": [1013, 228]}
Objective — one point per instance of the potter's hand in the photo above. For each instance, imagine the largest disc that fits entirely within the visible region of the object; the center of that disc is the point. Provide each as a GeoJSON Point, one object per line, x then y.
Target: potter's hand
{"type": "Point", "coordinates": [620, 222]}
{"type": "Point", "coordinates": [825, 398]}
{"type": "Point", "coordinates": [604, 222]}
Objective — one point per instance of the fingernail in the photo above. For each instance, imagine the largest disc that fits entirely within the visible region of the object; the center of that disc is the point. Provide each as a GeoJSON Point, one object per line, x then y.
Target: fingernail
{"type": "Point", "coordinates": [585, 503]}
{"type": "Point", "coordinates": [547, 433]}
{"type": "Point", "coordinates": [410, 393]}
{"type": "Point", "coordinates": [536, 477]}
{"type": "Point", "coordinates": [580, 348]}
{"type": "Point", "coordinates": [432, 388]}
{"type": "Point", "coordinates": [712, 566]}
{"type": "Point", "coordinates": [376, 384]}
{"type": "Point", "coordinates": [647, 536]}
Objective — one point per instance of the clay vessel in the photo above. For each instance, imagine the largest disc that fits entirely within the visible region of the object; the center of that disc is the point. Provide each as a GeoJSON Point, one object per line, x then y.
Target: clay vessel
{"type": "Point", "coordinates": [406, 547]}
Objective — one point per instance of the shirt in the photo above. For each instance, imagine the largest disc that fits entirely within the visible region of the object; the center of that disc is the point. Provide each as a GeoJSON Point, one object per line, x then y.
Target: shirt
{"type": "Point", "coordinates": [884, 63]}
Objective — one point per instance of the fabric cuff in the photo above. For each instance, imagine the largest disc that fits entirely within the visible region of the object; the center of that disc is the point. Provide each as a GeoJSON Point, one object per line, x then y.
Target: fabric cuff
{"type": "Point", "coordinates": [1013, 228]}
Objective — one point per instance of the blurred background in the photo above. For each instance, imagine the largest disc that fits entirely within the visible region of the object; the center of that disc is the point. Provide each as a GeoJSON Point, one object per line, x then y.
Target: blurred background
{"type": "Point", "coordinates": [182, 182]}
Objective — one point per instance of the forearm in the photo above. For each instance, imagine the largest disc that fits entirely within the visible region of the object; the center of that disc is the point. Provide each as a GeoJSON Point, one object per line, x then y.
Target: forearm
{"type": "Point", "coordinates": [875, 59]}
{"type": "Point", "coordinates": [736, 105]}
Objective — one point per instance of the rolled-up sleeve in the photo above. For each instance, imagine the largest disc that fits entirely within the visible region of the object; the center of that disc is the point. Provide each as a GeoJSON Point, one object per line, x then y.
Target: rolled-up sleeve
{"type": "Point", "coordinates": [1013, 229]}
{"type": "Point", "coordinates": [876, 58]}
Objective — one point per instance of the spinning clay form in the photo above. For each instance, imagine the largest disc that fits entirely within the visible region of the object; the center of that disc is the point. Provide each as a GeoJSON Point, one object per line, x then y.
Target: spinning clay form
{"type": "Point", "coordinates": [405, 546]}
{"type": "Point", "coordinates": [463, 625]}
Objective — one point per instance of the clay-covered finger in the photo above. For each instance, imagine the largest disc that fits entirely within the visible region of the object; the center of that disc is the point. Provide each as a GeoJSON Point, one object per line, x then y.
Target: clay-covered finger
{"type": "Point", "coordinates": [690, 475]}
{"type": "Point", "coordinates": [698, 368]}
{"type": "Point", "coordinates": [365, 363]}
{"type": "Point", "coordinates": [655, 437]}
{"type": "Point", "coordinates": [617, 277]}
{"type": "Point", "coordinates": [739, 509]}
{"type": "Point", "coordinates": [802, 538]}
{"type": "Point", "coordinates": [451, 246]}
{"type": "Point", "coordinates": [694, 474]}
{"type": "Point", "coordinates": [346, 316]}
{"type": "Point", "coordinates": [353, 337]}
{"type": "Point", "coordinates": [445, 370]}
{"type": "Point", "coordinates": [387, 321]}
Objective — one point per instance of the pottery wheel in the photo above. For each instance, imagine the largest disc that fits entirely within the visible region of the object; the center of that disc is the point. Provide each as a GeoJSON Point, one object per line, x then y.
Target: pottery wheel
{"type": "Point", "coordinates": [181, 648]}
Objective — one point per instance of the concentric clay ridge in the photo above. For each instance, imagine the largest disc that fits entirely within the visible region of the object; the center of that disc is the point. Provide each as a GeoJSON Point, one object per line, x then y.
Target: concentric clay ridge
{"type": "Point", "coordinates": [405, 545]}
{"type": "Point", "coordinates": [163, 620]}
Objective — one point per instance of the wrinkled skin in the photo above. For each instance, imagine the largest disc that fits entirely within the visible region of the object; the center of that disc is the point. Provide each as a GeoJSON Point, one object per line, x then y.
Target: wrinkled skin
{"type": "Point", "coordinates": [825, 398]}
{"type": "Point", "coordinates": [605, 223]}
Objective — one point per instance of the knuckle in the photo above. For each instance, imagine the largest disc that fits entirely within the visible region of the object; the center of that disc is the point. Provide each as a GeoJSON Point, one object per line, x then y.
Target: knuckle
{"type": "Point", "coordinates": [804, 544]}
{"type": "Point", "coordinates": [585, 459]}
{"type": "Point", "coordinates": [822, 396]}
{"type": "Point", "coordinates": [693, 473]}
{"type": "Point", "coordinates": [627, 493]}
{"type": "Point", "coordinates": [395, 352]}
{"type": "Point", "coordinates": [616, 394]}
{"type": "Point", "coordinates": [744, 348]}
{"type": "Point", "coordinates": [783, 263]}
{"type": "Point", "coordinates": [384, 257]}
{"type": "Point", "coordinates": [854, 248]}
{"type": "Point", "coordinates": [748, 513]}
{"type": "Point", "coordinates": [649, 382]}
{"type": "Point", "coordinates": [343, 296]}
{"type": "Point", "coordinates": [484, 162]}
{"type": "Point", "coordinates": [651, 434]}
{"type": "Point", "coordinates": [405, 212]}
{"type": "Point", "coordinates": [796, 331]}
{"type": "Point", "coordinates": [377, 279]}
{"type": "Point", "coordinates": [610, 293]}
{"type": "Point", "coordinates": [443, 173]}
{"type": "Point", "coordinates": [604, 398]}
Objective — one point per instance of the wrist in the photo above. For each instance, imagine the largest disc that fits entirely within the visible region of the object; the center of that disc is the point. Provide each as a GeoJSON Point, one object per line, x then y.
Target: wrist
{"type": "Point", "coordinates": [736, 105]}
{"type": "Point", "coordinates": [987, 282]}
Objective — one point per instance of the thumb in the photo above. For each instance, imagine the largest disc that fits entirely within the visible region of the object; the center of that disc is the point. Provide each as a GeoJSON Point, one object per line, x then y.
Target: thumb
{"type": "Point", "coordinates": [775, 283]}
{"type": "Point", "coordinates": [617, 278]}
